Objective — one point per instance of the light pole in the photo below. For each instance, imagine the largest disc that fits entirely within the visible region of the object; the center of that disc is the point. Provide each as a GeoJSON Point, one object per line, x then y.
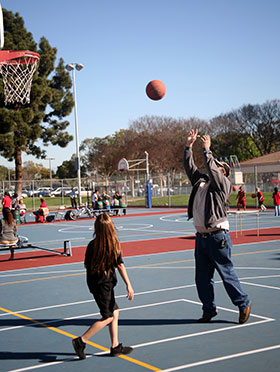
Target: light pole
{"type": "Point", "coordinates": [50, 167]}
{"type": "Point", "coordinates": [71, 67]}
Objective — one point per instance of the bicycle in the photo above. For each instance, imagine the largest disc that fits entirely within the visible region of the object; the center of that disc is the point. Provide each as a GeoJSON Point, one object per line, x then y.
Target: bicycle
{"type": "Point", "coordinates": [79, 212]}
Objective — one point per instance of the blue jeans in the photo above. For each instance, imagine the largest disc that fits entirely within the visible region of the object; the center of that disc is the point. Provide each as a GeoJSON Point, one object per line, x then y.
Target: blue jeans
{"type": "Point", "coordinates": [214, 252]}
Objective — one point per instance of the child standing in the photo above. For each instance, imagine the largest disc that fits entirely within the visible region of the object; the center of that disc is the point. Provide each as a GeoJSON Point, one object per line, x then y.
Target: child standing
{"type": "Point", "coordinates": [241, 198]}
{"type": "Point", "coordinates": [103, 256]}
{"type": "Point", "coordinates": [260, 199]}
{"type": "Point", "coordinates": [276, 201]}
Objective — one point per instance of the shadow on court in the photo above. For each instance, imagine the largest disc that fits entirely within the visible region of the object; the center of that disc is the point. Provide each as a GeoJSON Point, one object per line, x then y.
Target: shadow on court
{"type": "Point", "coordinates": [43, 357]}
{"type": "Point", "coordinates": [29, 258]}
{"type": "Point", "coordinates": [89, 321]}
{"type": "Point", "coordinates": [187, 237]}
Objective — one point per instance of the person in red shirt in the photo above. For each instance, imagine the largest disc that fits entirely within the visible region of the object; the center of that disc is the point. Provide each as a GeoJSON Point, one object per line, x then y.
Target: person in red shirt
{"type": "Point", "coordinates": [7, 201]}
{"type": "Point", "coordinates": [42, 212]}
{"type": "Point", "coordinates": [241, 199]}
{"type": "Point", "coordinates": [276, 201]}
{"type": "Point", "coordinates": [260, 199]}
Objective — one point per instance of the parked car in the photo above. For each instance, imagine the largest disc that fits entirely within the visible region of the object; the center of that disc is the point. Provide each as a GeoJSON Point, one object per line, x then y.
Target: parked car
{"type": "Point", "coordinates": [84, 191]}
{"type": "Point", "coordinates": [60, 190]}
{"type": "Point", "coordinates": [43, 192]}
{"type": "Point", "coordinates": [24, 194]}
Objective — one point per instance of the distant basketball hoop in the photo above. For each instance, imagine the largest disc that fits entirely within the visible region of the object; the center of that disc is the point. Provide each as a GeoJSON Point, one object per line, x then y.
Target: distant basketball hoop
{"type": "Point", "coordinates": [17, 68]}
{"type": "Point", "coordinates": [123, 165]}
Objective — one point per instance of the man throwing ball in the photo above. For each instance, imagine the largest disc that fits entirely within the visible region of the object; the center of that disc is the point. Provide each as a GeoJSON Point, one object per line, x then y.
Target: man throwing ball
{"type": "Point", "coordinates": [208, 208]}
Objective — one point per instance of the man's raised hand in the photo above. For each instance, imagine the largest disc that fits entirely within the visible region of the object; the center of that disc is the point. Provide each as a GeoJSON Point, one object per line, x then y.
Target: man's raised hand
{"type": "Point", "coordinates": [206, 141]}
{"type": "Point", "coordinates": [192, 136]}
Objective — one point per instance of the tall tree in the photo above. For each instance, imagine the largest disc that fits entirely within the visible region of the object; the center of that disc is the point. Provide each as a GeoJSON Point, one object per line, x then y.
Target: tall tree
{"type": "Point", "coordinates": [67, 169]}
{"type": "Point", "coordinates": [33, 170]}
{"type": "Point", "coordinates": [4, 172]}
{"type": "Point", "coordinates": [164, 139]}
{"type": "Point", "coordinates": [258, 127]}
{"type": "Point", "coordinates": [21, 127]}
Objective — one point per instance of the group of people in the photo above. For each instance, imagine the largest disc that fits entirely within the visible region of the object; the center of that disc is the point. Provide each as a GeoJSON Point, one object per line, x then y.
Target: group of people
{"type": "Point", "coordinates": [241, 199]}
{"type": "Point", "coordinates": [14, 203]}
{"type": "Point", "coordinates": [105, 201]}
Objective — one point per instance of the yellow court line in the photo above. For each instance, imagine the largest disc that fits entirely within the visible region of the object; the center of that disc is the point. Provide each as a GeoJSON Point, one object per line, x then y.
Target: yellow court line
{"type": "Point", "coordinates": [245, 253]}
{"type": "Point", "coordinates": [37, 279]}
{"type": "Point", "coordinates": [192, 260]}
{"type": "Point", "coordinates": [161, 263]}
{"type": "Point", "coordinates": [133, 267]}
{"type": "Point", "coordinates": [132, 360]}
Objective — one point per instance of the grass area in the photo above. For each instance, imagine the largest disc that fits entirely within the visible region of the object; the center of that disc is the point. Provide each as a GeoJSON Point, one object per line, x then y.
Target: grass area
{"type": "Point", "coordinates": [182, 200]}
{"type": "Point", "coordinates": [52, 203]}
{"type": "Point", "coordinates": [176, 201]}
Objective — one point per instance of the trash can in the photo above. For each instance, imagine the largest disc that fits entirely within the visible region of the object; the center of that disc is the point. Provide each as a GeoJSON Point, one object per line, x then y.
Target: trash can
{"type": "Point", "coordinates": [16, 215]}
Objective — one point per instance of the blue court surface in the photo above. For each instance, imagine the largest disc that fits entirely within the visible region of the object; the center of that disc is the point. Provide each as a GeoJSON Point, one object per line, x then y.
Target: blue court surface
{"type": "Point", "coordinates": [43, 308]}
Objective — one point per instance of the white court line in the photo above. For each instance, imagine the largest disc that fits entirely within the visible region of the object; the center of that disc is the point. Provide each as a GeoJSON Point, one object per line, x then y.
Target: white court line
{"type": "Point", "coordinates": [90, 314]}
{"type": "Point", "coordinates": [261, 285]}
{"type": "Point", "coordinates": [86, 301]}
{"type": "Point", "coordinates": [130, 308]}
{"type": "Point", "coordinates": [148, 267]}
{"type": "Point", "coordinates": [157, 341]}
{"type": "Point", "coordinates": [30, 368]}
{"type": "Point", "coordinates": [190, 335]}
{"type": "Point", "coordinates": [225, 357]}
{"type": "Point", "coordinates": [231, 310]}
{"type": "Point", "coordinates": [264, 320]}
{"type": "Point", "coordinates": [49, 307]}
{"type": "Point", "coordinates": [261, 277]}
{"type": "Point", "coordinates": [256, 268]}
{"type": "Point", "coordinates": [185, 366]}
{"type": "Point", "coordinates": [135, 294]}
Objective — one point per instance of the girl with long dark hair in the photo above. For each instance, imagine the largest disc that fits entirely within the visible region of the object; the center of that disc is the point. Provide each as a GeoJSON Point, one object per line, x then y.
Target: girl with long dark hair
{"type": "Point", "coordinates": [103, 256]}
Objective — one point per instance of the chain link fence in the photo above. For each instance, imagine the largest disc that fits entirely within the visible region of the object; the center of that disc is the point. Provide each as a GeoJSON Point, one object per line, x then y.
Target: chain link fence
{"type": "Point", "coordinates": [132, 186]}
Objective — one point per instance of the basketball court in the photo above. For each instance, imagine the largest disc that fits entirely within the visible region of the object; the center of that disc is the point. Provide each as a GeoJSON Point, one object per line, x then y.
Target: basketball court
{"type": "Point", "coordinates": [45, 301]}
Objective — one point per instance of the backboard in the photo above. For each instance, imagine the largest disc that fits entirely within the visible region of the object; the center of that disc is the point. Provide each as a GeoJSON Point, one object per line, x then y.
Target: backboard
{"type": "Point", "coordinates": [123, 165]}
{"type": "Point", "coordinates": [1, 29]}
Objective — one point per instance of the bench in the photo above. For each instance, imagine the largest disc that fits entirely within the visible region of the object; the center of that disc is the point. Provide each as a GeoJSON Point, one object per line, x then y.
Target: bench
{"type": "Point", "coordinates": [111, 211]}
{"type": "Point", "coordinates": [23, 244]}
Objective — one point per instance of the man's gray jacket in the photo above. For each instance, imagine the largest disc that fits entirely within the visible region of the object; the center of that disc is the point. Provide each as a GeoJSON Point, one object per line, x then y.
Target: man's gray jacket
{"type": "Point", "coordinates": [218, 191]}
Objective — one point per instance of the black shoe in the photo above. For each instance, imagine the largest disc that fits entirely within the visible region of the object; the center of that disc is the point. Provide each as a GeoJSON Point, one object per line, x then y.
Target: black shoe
{"type": "Point", "coordinates": [79, 347]}
{"type": "Point", "coordinates": [120, 350]}
{"type": "Point", "coordinates": [206, 317]}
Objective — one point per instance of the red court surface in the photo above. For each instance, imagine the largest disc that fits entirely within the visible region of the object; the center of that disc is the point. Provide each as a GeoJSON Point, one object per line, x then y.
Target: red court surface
{"type": "Point", "coordinates": [24, 260]}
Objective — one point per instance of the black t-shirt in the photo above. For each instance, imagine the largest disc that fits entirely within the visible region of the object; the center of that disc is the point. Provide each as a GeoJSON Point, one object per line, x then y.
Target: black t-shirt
{"type": "Point", "coordinates": [94, 279]}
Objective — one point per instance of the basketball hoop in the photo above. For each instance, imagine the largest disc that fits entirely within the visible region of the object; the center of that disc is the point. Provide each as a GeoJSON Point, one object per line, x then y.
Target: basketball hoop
{"type": "Point", "coordinates": [17, 68]}
{"type": "Point", "coordinates": [123, 165]}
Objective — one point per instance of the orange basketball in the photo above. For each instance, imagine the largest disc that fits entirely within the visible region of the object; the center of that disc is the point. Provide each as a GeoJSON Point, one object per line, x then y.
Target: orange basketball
{"type": "Point", "coordinates": [253, 196]}
{"type": "Point", "coordinates": [155, 90]}
{"type": "Point", "coordinates": [234, 188]}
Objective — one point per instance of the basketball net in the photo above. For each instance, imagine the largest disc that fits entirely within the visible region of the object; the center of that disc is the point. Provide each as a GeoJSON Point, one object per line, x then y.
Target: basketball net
{"type": "Point", "coordinates": [17, 71]}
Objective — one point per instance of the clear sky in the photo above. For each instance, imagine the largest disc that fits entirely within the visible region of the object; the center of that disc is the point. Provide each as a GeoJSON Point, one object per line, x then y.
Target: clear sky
{"type": "Point", "coordinates": [212, 55]}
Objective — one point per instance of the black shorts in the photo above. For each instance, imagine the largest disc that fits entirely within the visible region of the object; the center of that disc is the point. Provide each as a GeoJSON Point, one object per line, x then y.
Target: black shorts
{"type": "Point", "coordinates": [105, 298]}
